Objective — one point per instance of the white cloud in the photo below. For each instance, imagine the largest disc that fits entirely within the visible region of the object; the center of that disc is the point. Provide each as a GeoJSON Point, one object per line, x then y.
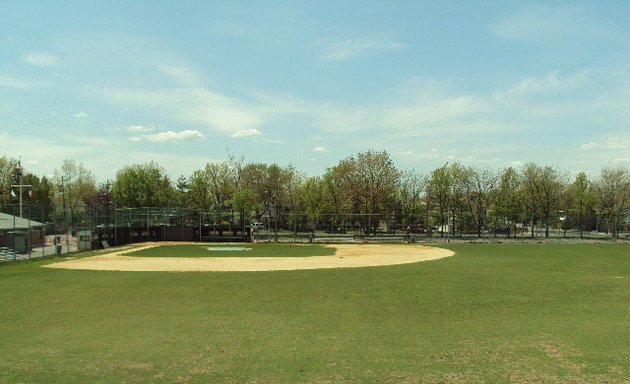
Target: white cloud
{"type": "Point", "coordinates": [424, 116]}
{"type": "Point", "coordinates": [246, 133]}
{"type": "Point", "coordinates": [422, 111]}
{"type": "Point", "coordinates": [38, 59]}
{"type": "Point", "coordinates": [139, 128]}
{"type": "Point", "coordinates": [320, 149]}
{"type": "Point", "coordinates": [604, 149]}
{"type": "Point", "coordinates": [81, 115]}
{"type": "Point", "coordinates": [42, 161]}
{"type": "Point", "coordinates": [338, 50]}
{"type": "Point", "coordinates": [191, 106]}
{"type": "Point", "coordinates": [552, 82]}
{"type": "Point", "coordinates": [169, 136]}
{"type": "Point", "coordinates": [12, 82]}
{"type": "Point", "coordinates": [179, 73]}
{"type": "Point", "coordinates": [619, 142]}
{"type": "Point", "coordinates": [590, 145]}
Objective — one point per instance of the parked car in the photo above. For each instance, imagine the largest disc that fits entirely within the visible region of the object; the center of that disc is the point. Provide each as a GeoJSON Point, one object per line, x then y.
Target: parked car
{"type": "Point", "coordinates": [502, 229]}
{"type": "Point", "coordinates": [256, 226]}
{"type": "Point", "coordinates": [414, 229]}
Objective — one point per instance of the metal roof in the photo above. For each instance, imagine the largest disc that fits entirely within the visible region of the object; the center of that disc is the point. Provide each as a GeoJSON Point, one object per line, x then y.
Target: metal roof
{"type": "Point", "coordinates": [10, 222]}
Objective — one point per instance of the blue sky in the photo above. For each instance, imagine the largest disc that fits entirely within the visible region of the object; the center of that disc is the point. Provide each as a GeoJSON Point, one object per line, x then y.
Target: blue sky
{"type": "Point", "coordinates": [489, 84]}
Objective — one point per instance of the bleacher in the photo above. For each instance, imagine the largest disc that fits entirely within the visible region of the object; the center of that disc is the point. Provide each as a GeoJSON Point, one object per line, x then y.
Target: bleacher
{"type": "Point", "coordinates": [6, 254]}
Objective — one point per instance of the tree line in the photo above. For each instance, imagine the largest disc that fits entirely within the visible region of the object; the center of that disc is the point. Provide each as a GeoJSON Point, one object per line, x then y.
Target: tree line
{"type": "Point", "coordinates": [453, 199]}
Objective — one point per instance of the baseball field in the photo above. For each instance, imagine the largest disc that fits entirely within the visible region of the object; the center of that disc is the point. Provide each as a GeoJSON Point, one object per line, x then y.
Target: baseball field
{"type": "Point", "coordinates": [469, 313]}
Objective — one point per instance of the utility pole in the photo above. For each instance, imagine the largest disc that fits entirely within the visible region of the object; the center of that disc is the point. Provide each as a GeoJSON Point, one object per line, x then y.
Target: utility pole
{"type": "Point", "coordinates": [19, 171]}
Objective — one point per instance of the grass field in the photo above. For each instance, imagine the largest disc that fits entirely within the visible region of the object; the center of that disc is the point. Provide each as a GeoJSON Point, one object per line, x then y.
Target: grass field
{"type": "Point", "coordinates": [229, 250]}
{"type": "Point", "coordinates": [491, 313]}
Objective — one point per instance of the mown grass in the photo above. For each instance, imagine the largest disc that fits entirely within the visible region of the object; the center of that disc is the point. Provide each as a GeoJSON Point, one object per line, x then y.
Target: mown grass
{"type": "Point", "coordinates": [491, 313]}
{"type": "Point", "coordinates": [253, 250]}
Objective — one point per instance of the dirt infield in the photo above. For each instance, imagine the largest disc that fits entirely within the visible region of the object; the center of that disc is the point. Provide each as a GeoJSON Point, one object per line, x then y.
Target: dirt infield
{"type": "Point", "coordinates": [346, 256]}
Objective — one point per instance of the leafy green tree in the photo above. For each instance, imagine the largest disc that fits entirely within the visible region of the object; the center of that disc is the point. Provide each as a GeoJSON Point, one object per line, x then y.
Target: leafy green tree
{"type": "Point", "coordinates": [201, 192]}
{"type": "Point", "coordinates": [255, 177]}
{"type": "Point", "coordinates": [410, 197]}
{"type": "Point", "coordinates": [460, 185]}
{"type": "Point", "coordinates": [530, 190]}
{"type": "Point", "coordinates": [7, 178]}
{"type": "Point", "coordinates": [39, 196]}
{"type": "Point", "coordinates": [552, 187]}
{"type": "Point", "coordinates": [613, 192]}
{"type": "Point", "coordinates": [369, 183]}
{"type": "Point", "coordinates": [508, 205]}
{"type": "Point", "coordinates": [293, 197]}
{"type": "Point", "coordinates": [439, 185]}
{"type": "Point", "coordinates": [312, 197]}
{"type": "Point", "coordinates": [541, 188]}
{"type": "Point", "coordinates": [211, 188]}
{"type": "Point", "coordinates": [340, 190]}
{"type": "Point", "coordinates": [244, 201]}
{"type": "Point", "coordinates": [143, 185]}
{"type": "Point", "coordinates": [378, 180]}
{"type": "Point", "coordinates": [276, 182]}
{"type": "Point", "coordinates": [579, 201]}
{"type": "Point", "coordinates": [182, 196]}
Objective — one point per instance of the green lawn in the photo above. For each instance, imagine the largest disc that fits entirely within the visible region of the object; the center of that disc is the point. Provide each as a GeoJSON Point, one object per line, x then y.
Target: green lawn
{"type": "Point", "coordinates": [236, 250]}
{"type": "Point", "coordinates": [491, 313]}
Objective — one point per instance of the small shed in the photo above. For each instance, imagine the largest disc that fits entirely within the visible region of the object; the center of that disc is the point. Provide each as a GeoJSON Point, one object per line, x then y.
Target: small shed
{"type": "Point", "coordinates": [85, 240]}
{"type": "Point", "coordinates": [20, 234]}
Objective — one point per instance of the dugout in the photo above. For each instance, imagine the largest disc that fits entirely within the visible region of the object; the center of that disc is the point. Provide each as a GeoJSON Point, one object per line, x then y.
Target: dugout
{"type": "Point", "coordinates": [20, 234]}
{"type": "Point", "coordinates": [17, 241]}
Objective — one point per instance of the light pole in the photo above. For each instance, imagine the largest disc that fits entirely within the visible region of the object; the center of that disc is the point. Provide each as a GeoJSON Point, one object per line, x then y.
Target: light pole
{"type": "Point", "coordinates": [19, 171]}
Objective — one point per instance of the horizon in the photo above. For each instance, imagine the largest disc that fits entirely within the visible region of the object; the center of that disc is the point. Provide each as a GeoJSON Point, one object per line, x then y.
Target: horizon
{"type": "Point", "coordinates": [488, 84]}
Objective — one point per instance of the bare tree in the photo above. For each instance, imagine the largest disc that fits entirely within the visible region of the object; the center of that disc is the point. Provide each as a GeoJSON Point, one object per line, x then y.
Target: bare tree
{"type": "Point", "coordinates": [480, 187]}
{"type": "Point", "coordinates": [409, 196]}
{"type": "Point", "coordinates": [75, 185]}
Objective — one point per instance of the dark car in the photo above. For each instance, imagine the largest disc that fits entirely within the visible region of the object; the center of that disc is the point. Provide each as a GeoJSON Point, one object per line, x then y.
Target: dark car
{"type": "Point", "coordinates": [414, 229]}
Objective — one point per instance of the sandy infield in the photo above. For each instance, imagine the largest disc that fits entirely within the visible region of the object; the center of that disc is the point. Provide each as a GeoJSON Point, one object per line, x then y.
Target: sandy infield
{"type": "Point", "coordinates": [346, 256]}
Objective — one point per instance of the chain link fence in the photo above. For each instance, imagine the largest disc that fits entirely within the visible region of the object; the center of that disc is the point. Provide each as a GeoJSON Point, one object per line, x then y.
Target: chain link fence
{"type": "Point", "coordinates": [33, 231]}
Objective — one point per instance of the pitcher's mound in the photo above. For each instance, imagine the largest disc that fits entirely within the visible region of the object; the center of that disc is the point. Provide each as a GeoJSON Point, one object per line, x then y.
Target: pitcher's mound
{"type": "Point", "coordinates": [346, 256]}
